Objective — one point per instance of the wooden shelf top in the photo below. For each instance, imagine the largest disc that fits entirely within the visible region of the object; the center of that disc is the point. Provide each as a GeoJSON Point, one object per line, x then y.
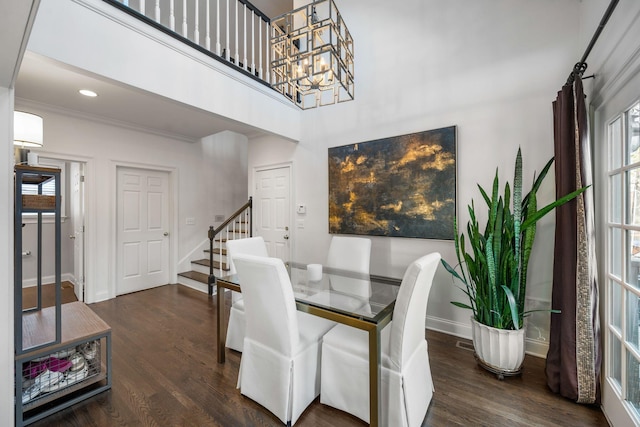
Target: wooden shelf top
{"type": "Point", "coordinates": [79, 322]}
{"type": "Point", "coordinates": [36, 174]}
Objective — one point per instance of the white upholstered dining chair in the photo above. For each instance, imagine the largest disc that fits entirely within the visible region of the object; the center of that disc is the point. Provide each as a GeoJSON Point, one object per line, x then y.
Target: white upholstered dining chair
{"type": "Point", "coordinates": [406, 383]}
{"type": "Point", "coordinates": [236, 326]}
{"type": "Point", "coordinates": [349, 253]}
{"type": "Point", "coordinates": [280, 364]}
{"type": "Point", "coordinates": [352, 292]}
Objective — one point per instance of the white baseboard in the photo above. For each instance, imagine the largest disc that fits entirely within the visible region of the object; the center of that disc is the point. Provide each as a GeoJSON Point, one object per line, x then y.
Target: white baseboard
{"type": "Point", "coordinates": [458, 329]}
{"type": "Point", "coordinates": [536, 348]}
{"type": "Point", "coordinates": [30, 283]}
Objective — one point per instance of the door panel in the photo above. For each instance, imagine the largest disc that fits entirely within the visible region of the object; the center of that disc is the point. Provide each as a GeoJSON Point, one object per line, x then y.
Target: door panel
{"type": "Point", "coordinates": [142, 229]}
{"type": "Point", "coordinates": [273, 210]}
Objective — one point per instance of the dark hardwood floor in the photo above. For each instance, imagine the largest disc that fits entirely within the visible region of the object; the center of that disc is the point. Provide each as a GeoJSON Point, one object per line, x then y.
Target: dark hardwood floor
{"type": "Point", "coordinates": [165, 373]}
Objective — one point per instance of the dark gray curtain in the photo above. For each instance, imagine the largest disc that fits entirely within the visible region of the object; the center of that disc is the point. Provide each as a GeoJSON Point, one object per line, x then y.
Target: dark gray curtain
{"type": "Point", "coordinates": [574, 357]}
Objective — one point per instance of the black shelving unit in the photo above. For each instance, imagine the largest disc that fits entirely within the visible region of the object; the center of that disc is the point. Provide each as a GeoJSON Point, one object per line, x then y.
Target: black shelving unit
{"type": "Point", "coordinates": [62, 352]}
{"type": "Point", "coordinates": [39, 204]}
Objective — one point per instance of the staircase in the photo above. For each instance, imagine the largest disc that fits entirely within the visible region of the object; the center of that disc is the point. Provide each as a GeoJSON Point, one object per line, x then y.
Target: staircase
{"type": "Point", "coordinates": [215, 264]}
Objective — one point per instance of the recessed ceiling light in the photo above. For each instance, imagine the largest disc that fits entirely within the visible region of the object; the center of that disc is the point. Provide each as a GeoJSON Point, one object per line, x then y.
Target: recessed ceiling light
{"type": "Point", "coordinates": [87, 92]}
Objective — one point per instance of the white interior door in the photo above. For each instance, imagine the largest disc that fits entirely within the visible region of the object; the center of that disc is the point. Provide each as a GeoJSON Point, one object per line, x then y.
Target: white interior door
{"type": "Point", "coordinates": [142, 229]}
{"type": "Point", "coordinates": [272, 210]}
{"type": "Point", "coordinates": [76, 172]}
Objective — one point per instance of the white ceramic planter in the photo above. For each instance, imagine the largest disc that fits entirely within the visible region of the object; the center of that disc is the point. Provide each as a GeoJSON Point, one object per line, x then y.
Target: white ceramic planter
{"type": "Point", "coordinates": [501, 350]}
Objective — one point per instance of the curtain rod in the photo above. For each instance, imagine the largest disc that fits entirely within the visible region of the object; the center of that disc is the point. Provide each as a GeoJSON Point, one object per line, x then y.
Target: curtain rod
{"type": "Point", "coordinates": [581, 66]}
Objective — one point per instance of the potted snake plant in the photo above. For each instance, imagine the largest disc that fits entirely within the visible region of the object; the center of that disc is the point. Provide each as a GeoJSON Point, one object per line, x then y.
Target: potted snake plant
{"type": "Point", "coordinates": [492, 266]}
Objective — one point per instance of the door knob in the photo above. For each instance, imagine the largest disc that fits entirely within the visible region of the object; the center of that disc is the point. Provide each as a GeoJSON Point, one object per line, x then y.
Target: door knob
{"type": "Point", "coordinates": [285, 237]}
{"type": "Point", "coordinates": [166, 233]}
{"type": "Point", "coordinates": [72, 236]}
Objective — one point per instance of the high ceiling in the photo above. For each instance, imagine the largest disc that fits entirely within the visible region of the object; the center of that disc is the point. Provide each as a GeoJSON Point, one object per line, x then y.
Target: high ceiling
{"type": "Point", "coordinates": [273, 8]}
{"type": "Point", "coordinates": [48, 84]}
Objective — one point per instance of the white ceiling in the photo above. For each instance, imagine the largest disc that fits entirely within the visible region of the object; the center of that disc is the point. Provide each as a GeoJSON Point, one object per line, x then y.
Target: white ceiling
{"type": "Point", "coordinates": [52, 85]}
{"type": "Point", "coordinates": [273, 8]}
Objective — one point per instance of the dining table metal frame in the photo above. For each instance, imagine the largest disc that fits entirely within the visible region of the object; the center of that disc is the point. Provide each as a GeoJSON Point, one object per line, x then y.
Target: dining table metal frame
{"type": "Point", "coordinates": [371, 326]}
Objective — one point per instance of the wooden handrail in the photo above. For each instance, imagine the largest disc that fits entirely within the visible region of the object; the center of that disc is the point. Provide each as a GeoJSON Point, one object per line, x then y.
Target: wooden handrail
{"type": "Point", "coordinates": [214, 232]}
{"type": "Point", "coordinates": [233, 216]}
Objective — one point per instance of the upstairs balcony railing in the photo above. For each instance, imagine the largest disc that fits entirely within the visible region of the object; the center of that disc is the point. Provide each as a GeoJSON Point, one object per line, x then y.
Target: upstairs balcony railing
{"type": "Point", "coordinates": [232, 31]}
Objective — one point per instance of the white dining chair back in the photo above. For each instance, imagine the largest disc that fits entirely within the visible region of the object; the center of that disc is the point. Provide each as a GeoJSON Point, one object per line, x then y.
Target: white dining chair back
{"type": "Point", "coordinates": [408, 325]}
{"type": "Point", "coordinates": [249, 246]}
{"type": "Point", "coordinates": [349, 253]}
{"type": "Point", "coordinates": [280, 364]}
{"type": "Point", "coordinates": [407, 385]}
{"type": "Point", "coordinates": [236, 326]}
{"type": "Point", "coordinates": [271, 308]}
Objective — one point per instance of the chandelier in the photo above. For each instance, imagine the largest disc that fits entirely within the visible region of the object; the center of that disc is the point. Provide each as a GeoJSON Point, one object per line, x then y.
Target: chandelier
{"type": "Point", "coordinates": [312, 55]}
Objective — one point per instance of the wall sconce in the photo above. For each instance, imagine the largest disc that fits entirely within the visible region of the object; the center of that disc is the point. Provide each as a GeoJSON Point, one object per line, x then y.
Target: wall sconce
{"type": "Point", "coordinates": [27, 133]}
{"type": "Point", "coordinates": [312, 55]}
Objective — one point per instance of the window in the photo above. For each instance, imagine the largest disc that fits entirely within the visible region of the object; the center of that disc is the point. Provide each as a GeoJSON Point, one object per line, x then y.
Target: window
{"type": "Point", "coordinates": [623, 258]}
{"type": "Point", "coordinates": [48, 188]}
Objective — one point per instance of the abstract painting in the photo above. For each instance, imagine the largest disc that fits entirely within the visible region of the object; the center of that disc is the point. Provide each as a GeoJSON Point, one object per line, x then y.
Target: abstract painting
{"type": "Point", "coordinates": [403, 186]}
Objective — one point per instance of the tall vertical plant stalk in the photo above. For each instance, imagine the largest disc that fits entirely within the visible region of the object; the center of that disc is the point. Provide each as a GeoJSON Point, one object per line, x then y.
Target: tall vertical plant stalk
{"type": "Point", "coordinates": [494, 272]}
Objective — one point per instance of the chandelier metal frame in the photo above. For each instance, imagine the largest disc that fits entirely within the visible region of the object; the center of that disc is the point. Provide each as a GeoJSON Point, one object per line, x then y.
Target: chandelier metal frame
{"type": "Point", "coordinates": [312, 56]}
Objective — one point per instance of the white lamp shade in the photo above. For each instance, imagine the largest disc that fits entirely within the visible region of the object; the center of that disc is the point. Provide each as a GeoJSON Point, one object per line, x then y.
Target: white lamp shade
{"type": "Point", "coordinates": [27, 129]}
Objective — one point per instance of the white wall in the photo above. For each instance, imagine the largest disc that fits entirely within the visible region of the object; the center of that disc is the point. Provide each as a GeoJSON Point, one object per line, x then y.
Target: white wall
{"type": "Point", "coordinates": [229, 184]}
{"type": "Point", "coordinates": [93, 36]}
{"type": "Point", "coordinates": [6, 255]}
{"type": "Point", "coordinates": [491, 68]}
{"type": "Point", "coordinates": [192, 165]}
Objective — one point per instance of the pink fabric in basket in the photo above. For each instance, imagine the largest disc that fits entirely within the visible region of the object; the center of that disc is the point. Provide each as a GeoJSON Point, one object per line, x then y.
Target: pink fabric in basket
{"type": "Point", "coordinates": [53, 364]}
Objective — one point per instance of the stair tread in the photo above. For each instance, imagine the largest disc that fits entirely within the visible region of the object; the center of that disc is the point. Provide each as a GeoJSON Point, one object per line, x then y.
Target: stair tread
{"type": "Point", "coordinates": [216, 264]}
{"type": "Point", "coordinates": [195, 275]}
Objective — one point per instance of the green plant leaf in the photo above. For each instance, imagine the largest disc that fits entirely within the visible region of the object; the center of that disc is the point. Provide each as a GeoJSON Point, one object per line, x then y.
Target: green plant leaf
{"type": "Point", "coordinates": [493, 257]}
{"type": "Point", "coordinates": [537, 181]}
{"type": "Point", "coordinates": [529, 236]}
{"type": "Point", "coordinates": [484, 194]}
{"type": "Point", "coordinates": [513, 306]}
{"type": "Point", "coordinates": [461, 305]}
{"type": "Point", "coordinates": [561, 201]}
{"type": "Point", "coordinates": [452, 271]}
{"type": "Point", "coordinates": [528, 312]}
{"type": "Point", "coordinates": [517, 218]}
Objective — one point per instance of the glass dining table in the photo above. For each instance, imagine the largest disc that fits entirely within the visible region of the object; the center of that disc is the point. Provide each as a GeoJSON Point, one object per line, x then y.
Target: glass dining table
{"type": "Point", "coordinates": [359, 300]}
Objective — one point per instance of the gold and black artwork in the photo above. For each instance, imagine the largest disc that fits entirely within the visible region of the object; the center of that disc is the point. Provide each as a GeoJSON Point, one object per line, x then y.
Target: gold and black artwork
{"type": "Point", "coordinates": [404, 186]}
